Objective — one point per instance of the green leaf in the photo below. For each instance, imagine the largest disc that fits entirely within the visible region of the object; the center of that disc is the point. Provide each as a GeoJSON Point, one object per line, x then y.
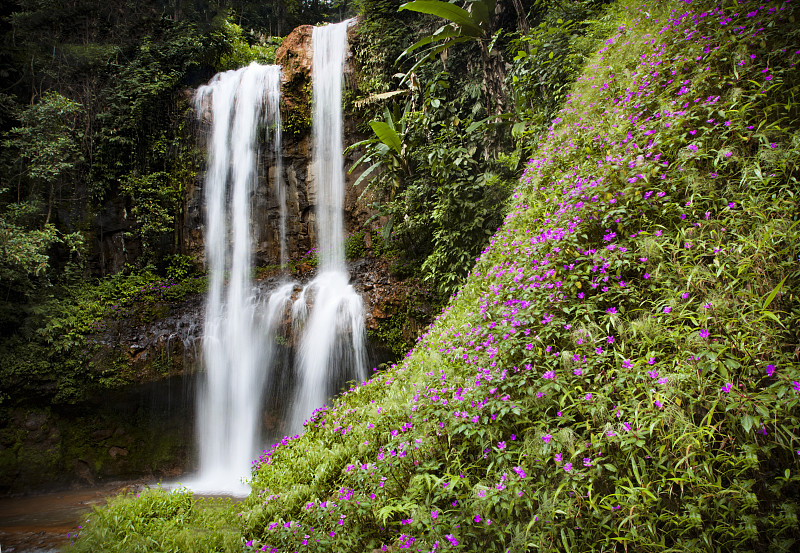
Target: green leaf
{"type": "Point", "coordinates": [447, 31]}
{"type": "Point", "coordinates": [771, 295]}
{"type": "Point", "coordinates": [451, 12]}
{"type": "Point", "coordinates": [387, 135]}
{"type": "Point", "coordinates": [747, 422]}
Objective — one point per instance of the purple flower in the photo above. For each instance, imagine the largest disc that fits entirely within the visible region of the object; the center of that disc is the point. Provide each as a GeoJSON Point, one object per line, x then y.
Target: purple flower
{"type": "Point", "coordinates": [667, 309]}
{"type": "Point", "coordinates": [727, 387]}
{"type": "Point", "coordinates": [546, 438]}
{"type": "Point", "coordinates": [434, 514]}
{"type": "Point", "coordinates": [453, 541]}
{"type": "Point", "coordinates": [549, 375]}
{"type": "Point", "coordinates": [770, 369]}
{"type": "Point", "coordinates": [587, 397]}
{"type": "Point", "coordinates": [627, 364]}
{"type": "Point", "coordinates": [520, 472]}
{"type": "Point", "coordinates": [501, 445]}
{"type": "Point", "coordinates": [477, 518]}
{"type": "Point", "coordinates": [568, 467]}
{"type": "Point", "coordinates": [703, 333]}
{"type": "Point", "coordinates": [558, 457]}
{"type": "Point", "coordinates": [610, 339]}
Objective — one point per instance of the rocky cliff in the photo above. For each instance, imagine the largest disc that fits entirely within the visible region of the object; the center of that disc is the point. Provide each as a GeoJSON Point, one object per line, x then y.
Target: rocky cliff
{"type": "Point", "coordinates": [295, 57]}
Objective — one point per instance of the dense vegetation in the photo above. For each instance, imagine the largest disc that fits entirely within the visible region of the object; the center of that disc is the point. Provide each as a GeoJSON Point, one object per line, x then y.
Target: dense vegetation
{"type": "Point", "coordinates": [619, 371]}
{"type": "Point", "coordinates": [98, 155]}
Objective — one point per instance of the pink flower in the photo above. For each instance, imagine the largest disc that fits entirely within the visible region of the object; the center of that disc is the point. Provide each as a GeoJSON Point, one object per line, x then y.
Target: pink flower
{"type": "Point", "coordinates": [546, 438]}
{"type": "Point", "coordinates": [703, 333]}
{"type": "Point", "coordinates": [770, 369]}
{"type": "Point", "coordinates": [568, 467]}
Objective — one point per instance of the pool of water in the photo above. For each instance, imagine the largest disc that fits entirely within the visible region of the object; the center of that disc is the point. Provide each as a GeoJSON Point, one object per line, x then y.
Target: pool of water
{"type": "Point", "coordinates": [44, 523]}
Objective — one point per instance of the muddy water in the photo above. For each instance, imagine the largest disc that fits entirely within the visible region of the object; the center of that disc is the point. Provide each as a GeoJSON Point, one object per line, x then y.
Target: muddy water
{"type": "Point", "coordinates": [44, 523]}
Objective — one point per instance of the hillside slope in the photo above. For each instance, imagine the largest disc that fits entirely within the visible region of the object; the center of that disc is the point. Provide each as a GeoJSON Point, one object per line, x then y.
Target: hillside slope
{"type": "Point", "coordinates": [620, 371]}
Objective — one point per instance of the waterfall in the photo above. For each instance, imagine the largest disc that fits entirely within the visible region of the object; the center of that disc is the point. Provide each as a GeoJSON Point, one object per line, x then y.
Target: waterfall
{"type": "Point", "coordinates": [332, 349]}
{"type": "Point", "coordinates": [247, 345]}
{"type": "Point", "coordinates": [234, 347]}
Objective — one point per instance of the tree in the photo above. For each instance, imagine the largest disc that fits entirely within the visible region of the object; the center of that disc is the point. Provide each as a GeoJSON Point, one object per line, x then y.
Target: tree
{"type": "Point", "coordinates": [48, 144]}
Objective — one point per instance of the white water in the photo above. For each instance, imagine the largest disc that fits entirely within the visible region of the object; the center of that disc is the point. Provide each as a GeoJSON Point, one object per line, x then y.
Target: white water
{"type": "Point", "coordinates": [240, 344]}
{"type": "Point", "coordinates": [332, 347]}
{"type": "Point", "coordinates": [235, 350]}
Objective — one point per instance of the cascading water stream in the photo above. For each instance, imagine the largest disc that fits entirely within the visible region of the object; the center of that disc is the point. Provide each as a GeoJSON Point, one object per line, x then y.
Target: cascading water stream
{"type": "Point", "coordinates": [332, 349]}
{"type": "Point", "coordinates": [234, 347]}
{"type": "Point", "coordinates": [246, 339]}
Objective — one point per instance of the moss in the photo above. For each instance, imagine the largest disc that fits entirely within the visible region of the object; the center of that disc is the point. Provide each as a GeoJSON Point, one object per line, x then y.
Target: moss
{"type": "Point", "coordinates": [297, 99]}
{"type": "Point", "coordinates": [398, 332]}
{"type": "Point", "coordinates": [354, 247]}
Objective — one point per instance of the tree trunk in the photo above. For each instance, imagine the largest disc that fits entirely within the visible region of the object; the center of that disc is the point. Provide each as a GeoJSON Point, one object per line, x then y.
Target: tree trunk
{"type": "Point", "coordinates": [522, 19]}
{"type": "Point", "coordinates": [494, 76]}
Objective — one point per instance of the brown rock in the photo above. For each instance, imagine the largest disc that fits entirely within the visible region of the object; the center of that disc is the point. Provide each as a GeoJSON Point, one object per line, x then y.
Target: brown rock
{"type": "Point", "coordinates": [102, 434]}
{"type": "Point", "coordinates": [117, 452]}
{"type": "Point", "coordinates": [83, 472]}
{"type": "Point", "coordinates": [296, 54]}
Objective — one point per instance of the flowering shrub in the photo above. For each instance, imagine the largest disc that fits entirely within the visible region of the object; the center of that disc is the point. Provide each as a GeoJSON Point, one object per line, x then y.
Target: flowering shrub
{"type": "Point", "coordinates": [619, 369]}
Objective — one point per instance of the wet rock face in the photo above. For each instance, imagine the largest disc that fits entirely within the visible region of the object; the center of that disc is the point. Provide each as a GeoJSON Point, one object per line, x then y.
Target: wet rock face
{"type": "Point", "coordinates": [295, 56]}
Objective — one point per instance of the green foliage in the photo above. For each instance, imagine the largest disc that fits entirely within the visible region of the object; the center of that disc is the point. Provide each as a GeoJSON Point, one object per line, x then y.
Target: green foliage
{"type": "Point", "coordinates": [180, 266]}
{"type": "Point", "coordinates": [547, 60]}
{"type": "Point", "coordinates": [22, 252]}
{"type": "Point", "coordinates": [354, 246]}
{"type": "Point", "coordinates": [54, 353]}
{"type": "Point", "coordinates": [464, 25]}
{"type": "Point", "coordinates": [47, 140]}
{"type": "Point", "coordinates": [428, 177]}
{"type": "Point", "coordinates": [159, 521]}
{"type": "Point", "coordinates": [379, 39]}
{"type": "Point", "coordinates": [240, 53]}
